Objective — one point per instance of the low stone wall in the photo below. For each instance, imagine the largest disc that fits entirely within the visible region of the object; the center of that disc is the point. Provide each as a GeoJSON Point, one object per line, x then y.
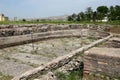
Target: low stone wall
{"type": "Point", "coordinates": [16, 40]}
{"type": "Point", "coordinates": [15, 30]}
{"type": "Point", "coordinates": [58, 62]}
{"type": "Point", "coordinates": [23, 39]}
{"type": "Point", "coordinates": [105, 61]}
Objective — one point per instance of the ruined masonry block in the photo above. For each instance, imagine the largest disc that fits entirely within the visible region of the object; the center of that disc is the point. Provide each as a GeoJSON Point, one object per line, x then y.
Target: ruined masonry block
{"type": "Point", "coordinates": [102, 61]}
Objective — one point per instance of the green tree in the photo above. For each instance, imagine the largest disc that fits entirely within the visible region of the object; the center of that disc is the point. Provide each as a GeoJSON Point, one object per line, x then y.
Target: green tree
{"type": "Point", "coordinates": [37, 20]}
{"type": "Point", "coordinates": [82, 16]}
{"type": "Point", "coordinates": [78, 18]}
{"type": "Point", "coordinates": [70, 18]}
{"type": "Point", "coordinates": [102, 11]}
{"type": "Point", "coordinates": [114, 13]}
{"type": "Point", "coordinates": [111, 13]}
{"type": "Point", "coordinates": [117, 12]}
{"type": "Point", "coordinates": [94, 16]}
{"type": "Point", "coordinates": [74, 16]}
{"type": "Point", "coordinates": [89, 13]}
{"type": "Point", "coordinates": [24, 20]}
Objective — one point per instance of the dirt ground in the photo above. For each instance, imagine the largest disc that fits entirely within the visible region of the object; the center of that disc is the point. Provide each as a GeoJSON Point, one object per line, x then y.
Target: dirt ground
{"type": "Point", "coordinates": [19, 59]}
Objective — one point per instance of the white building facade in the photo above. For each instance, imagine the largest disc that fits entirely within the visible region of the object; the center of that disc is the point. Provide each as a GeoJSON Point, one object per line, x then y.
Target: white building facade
{"type": "Point", "coordinates": [3, 18]}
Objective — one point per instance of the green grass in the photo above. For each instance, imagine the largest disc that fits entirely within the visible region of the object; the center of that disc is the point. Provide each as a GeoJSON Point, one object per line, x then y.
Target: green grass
{"type": "Point", "coordinates": [72, 75]}
{"type": "Point", "coordinates": [5, 77]}
{"type": "Point", "coordinates": [91, 38]}
{"type": "Point", "coordinates": [59, 22]}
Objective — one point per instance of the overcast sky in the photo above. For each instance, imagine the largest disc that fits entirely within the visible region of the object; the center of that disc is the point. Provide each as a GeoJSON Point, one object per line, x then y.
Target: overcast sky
{"type": "Point", "coordinates": [46, 8]}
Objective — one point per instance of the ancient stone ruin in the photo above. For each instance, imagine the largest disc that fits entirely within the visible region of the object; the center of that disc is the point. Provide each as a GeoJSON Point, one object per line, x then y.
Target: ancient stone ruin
{"type": "Point", "coordinates": [33, 50]}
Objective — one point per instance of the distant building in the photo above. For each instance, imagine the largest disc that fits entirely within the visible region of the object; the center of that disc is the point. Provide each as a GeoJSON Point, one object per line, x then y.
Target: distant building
{"type": "Point", "coordinates": [15, 18]}
{"type": "Point", "coordinates": [3, 18]}
{"type": "Point", "coordinates": [105, 19]}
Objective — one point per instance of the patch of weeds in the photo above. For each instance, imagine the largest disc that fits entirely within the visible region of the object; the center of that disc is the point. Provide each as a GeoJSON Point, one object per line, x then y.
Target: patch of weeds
{"type": "Point", "coordinates": [15, 60]}
{"type": "Point", "coordinates": [22, 51]}
{"type": "Point", "coordinates": [118, 78]}
{"type": "Point", "coordinates": [5, 77]}
{"type": "Point", "coordinates": [33, 65]}
{"type": "Point", "coordinates": [3, 50]}
{"type": "Point", "coordinates": [38, 76]}
{"type": "Point", "coordinates": [6, 57]}
{"type": "Point", "coordinates": [53, 45]}
{"type": "Point", "coordinates": [63, 40]}
{"type": "Point", "coordinates": [48, 55]}
{"type": "Point", "coordinates": [104, 44]}
{"type": "Point", "coordinates": [72, 75]}
{"type": "Point", "coordinates": [91, 38]}
{"type": "Point", "coordinates": [66, 49]}
{"type": "Point", "coordinates": [97, 45]}
{"type": "Point", "coordinates": [15, 49]}
{"type": "Point", "coordinates": [81, 54]}
{"type": "Point", "coordinates": [61, 76]}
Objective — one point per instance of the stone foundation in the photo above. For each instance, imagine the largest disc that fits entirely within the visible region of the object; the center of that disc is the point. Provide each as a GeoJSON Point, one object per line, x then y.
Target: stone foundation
{"type": "Point", "coordinates": [15, 30]}
{"type": "Point", "coordinates": [58, 62]}
{"type": "Point", "coordinates": [16, 40]}
{"type": "Point", "coordinates": [104, 61]}
{"type": "Point", "coordinates": [23, 39]}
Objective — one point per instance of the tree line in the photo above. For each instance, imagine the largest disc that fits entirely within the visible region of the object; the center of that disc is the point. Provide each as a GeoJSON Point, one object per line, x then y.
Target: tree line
{"type": "Point", "coordinates": [111, 13]}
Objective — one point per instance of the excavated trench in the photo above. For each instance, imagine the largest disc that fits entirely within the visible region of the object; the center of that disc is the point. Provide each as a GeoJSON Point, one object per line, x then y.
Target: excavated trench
{"type": "Point", "coordinates": [53, 41]}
